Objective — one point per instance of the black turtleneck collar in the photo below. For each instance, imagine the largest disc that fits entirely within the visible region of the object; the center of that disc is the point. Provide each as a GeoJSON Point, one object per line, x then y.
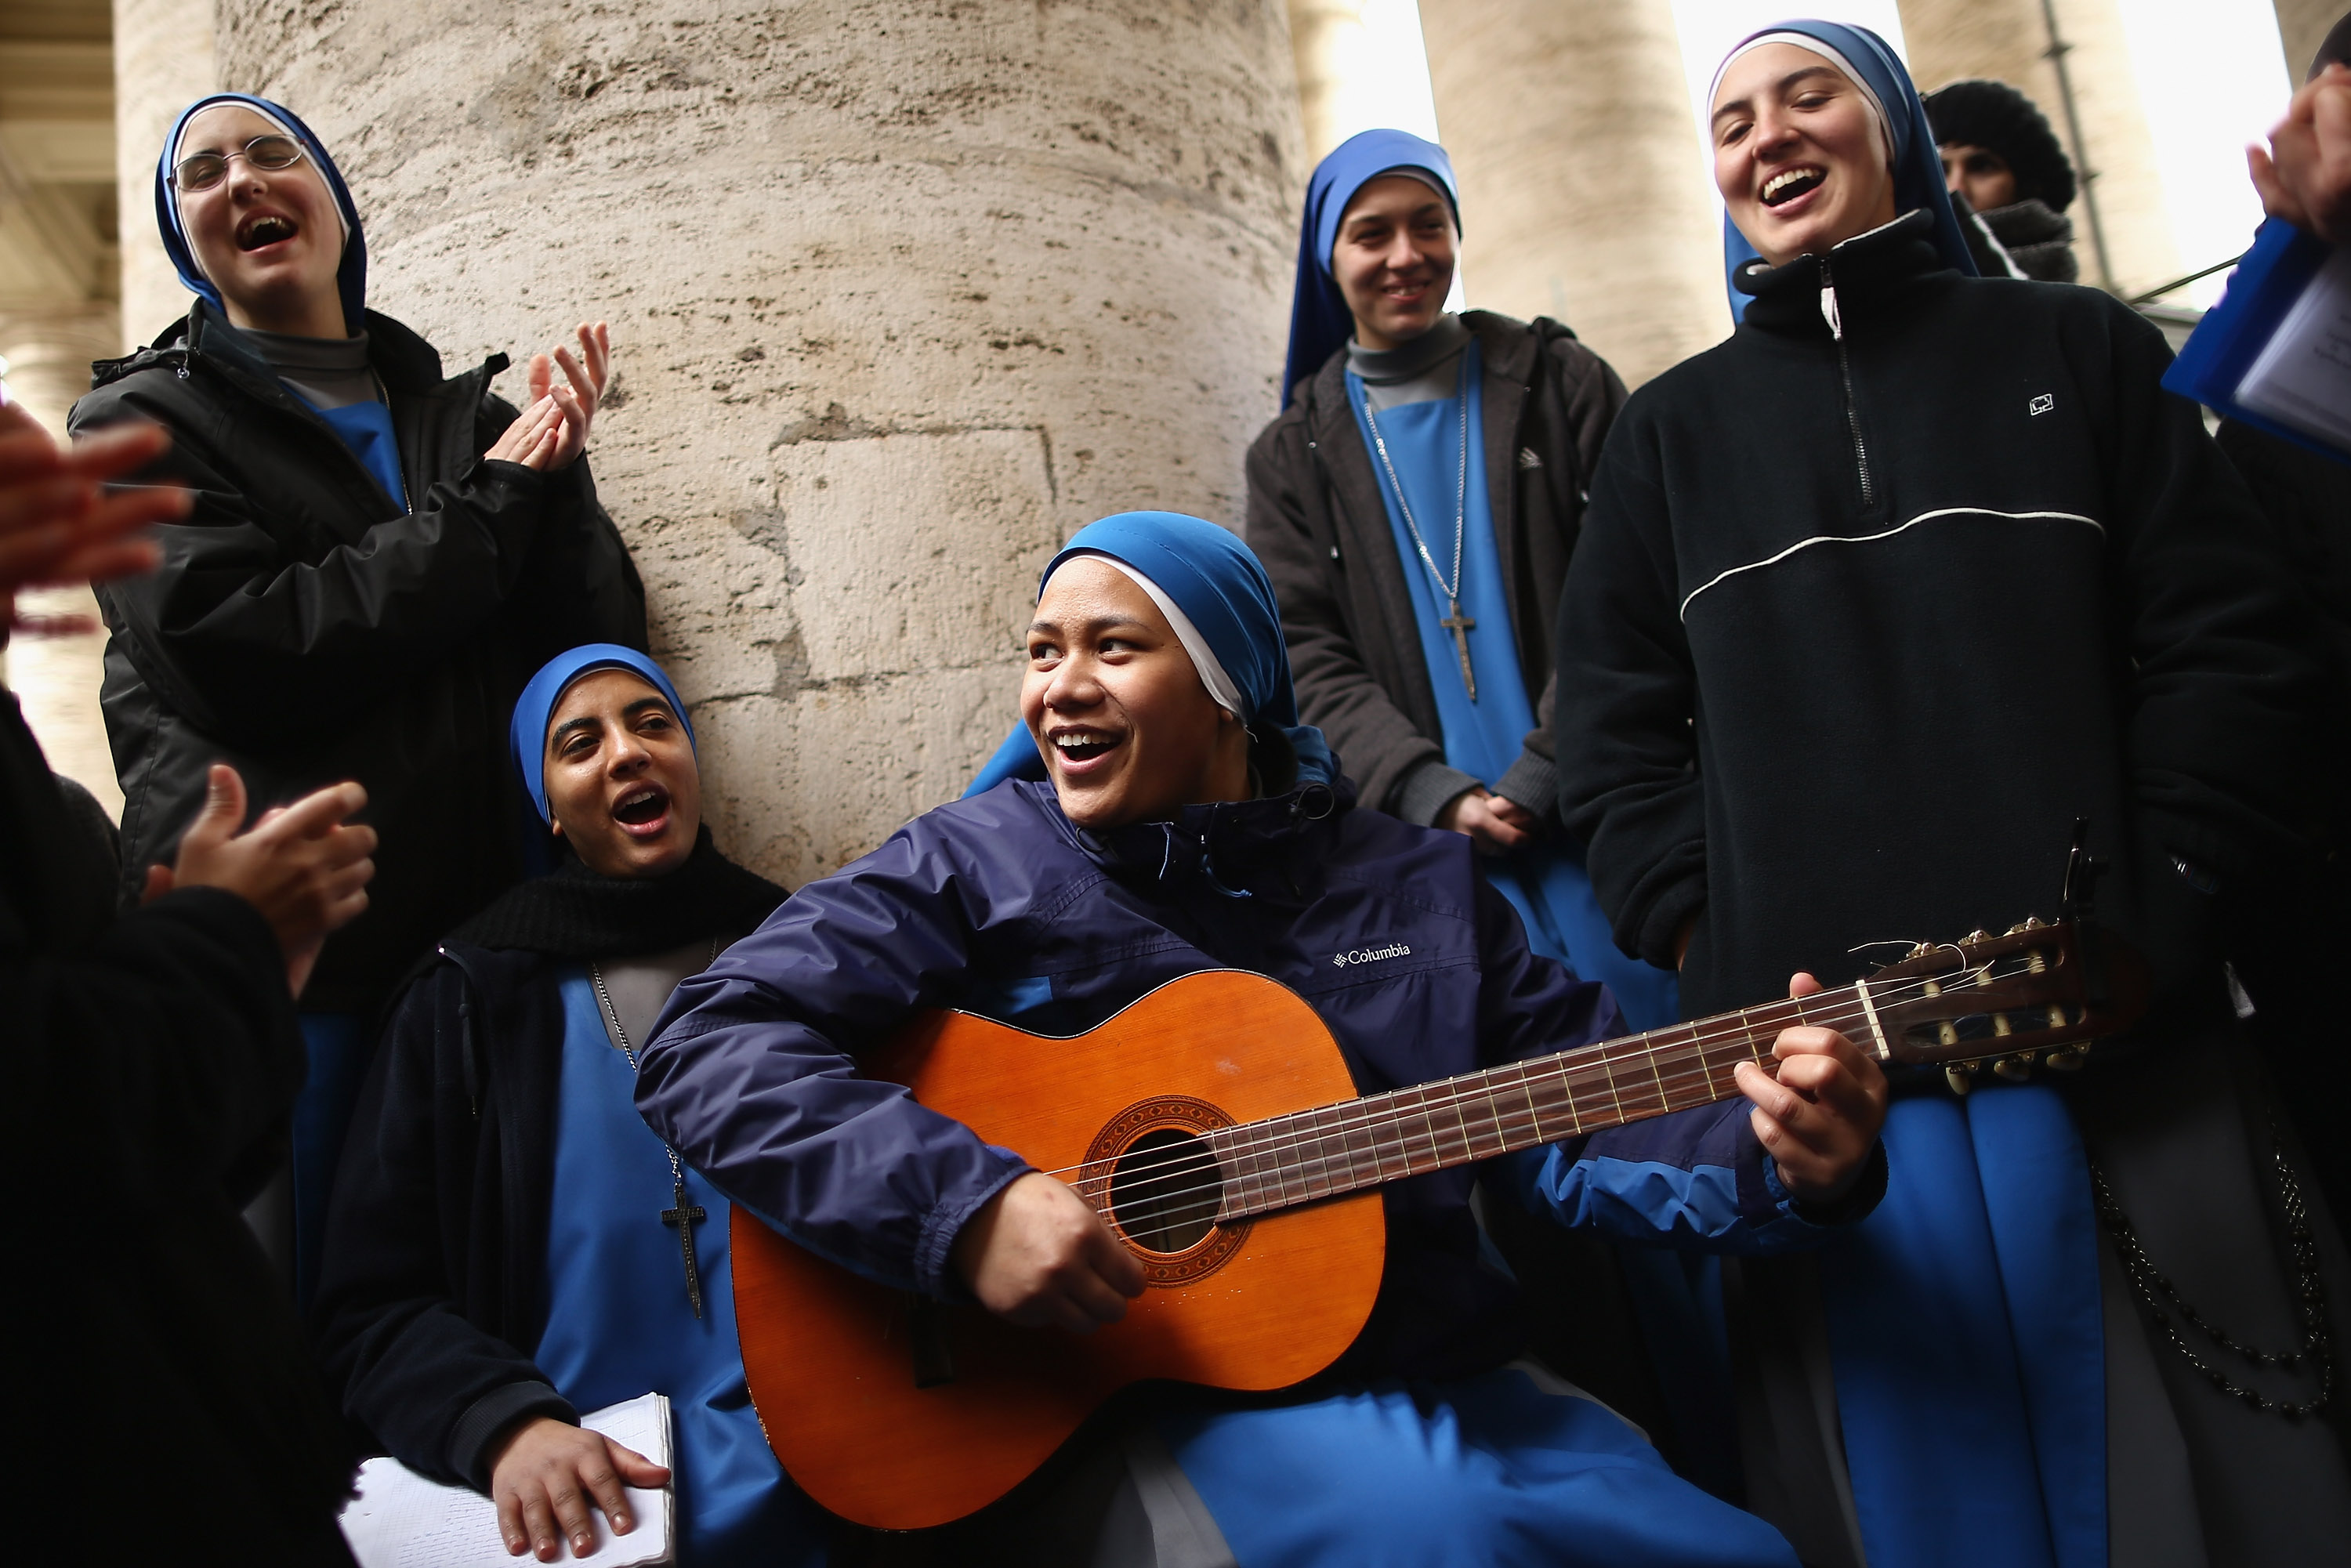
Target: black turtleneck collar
{"type": "Point", "coordinates": [574, 912]}
{"type": "Point", "coordinates": [1865, 269]}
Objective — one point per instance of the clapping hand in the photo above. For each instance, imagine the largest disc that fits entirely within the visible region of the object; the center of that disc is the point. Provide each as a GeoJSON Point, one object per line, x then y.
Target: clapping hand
{"type": "Point", "coordinates": [59, 523]}
{"type": "Point", "coordinates": [552, 432]}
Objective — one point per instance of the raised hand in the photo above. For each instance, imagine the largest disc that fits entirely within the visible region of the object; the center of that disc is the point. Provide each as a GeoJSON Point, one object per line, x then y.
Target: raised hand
{"type": "Point", "coordinates": [58, 521]}
{"type": "Point", "coordinates": [303, 867]}
{"type": "Point", "coordinates": [581, 391]}
{"type": "Point", "coordinates": [2305, 173]}
{"type": "Point", "coordinates": [1819, 1118]}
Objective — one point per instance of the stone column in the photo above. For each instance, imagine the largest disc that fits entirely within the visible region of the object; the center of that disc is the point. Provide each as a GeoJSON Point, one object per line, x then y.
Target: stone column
{"type": "Point", "coordinates": [57, 678]}
{"type": "Point", "coordinates": [1584, 189]}
{"type": "Point", "coordinates": [1328, 41]}
{"type": "Point", "coordinates": [163, 63]}
{"type": "Point", "coordinates": [901, 293]}
{"type": "Point", "coordinates": [2010, 40]}
{"type": "Point", "coordinates": [2303, 26]}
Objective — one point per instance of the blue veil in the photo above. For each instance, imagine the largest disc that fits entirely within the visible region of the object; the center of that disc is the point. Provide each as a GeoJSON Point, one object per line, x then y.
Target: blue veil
{"type": "Point", "coordinates": [526, 734]}
{"type": "Point", "coordinates": [1319, 318]}
{"type": "Point", "coordinates": [350, 278]}
{"type": "Point", "coordinates": [1917, 165]}
{"type": "Point", "coordinates": [1220, 586]}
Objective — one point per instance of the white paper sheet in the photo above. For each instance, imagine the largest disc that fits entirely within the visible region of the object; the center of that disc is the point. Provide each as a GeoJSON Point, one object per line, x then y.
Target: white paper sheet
{"type": "Point", "coordinates": [2302, 378]}
{"type": "Point", "coordinates": [400, 1520]}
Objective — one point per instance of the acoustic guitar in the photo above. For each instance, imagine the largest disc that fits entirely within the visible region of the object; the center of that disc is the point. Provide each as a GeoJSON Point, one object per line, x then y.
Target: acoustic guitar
{"type": "Point", "coordinates": [1214, 1125]}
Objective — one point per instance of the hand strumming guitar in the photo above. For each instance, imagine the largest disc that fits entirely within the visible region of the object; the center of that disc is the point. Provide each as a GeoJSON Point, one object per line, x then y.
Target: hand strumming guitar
{"type": "Point", "coordinates": [1037, 1256]}
{"type": "Point", "coordinates": [1818, 1119]}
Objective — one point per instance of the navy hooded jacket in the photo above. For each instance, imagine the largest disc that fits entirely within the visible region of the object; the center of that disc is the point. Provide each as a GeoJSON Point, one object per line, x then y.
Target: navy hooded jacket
{"type": "Point", "coordinates": [999, 905]}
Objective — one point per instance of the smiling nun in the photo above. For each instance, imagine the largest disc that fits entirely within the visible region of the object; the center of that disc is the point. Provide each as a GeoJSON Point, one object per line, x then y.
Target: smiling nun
{"type": "Point", "coordinates": [504, 1250]}
{"type": "Point", "coordinates": [1874, 599]}
{"type": "Point", "coordinates": [377, 559]}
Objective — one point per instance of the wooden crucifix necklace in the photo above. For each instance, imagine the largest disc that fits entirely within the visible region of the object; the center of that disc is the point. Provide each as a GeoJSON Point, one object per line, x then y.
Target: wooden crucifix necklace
{"type": "Point", "coordinates": [1460, 625]}
{"type": "Point", "coordinates": [680, 1213]}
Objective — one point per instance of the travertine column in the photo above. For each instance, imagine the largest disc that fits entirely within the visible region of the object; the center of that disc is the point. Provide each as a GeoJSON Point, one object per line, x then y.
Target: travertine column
{"type": "Point", "coordinates": [1330, 44]}
{"type": "Point", "coordinates": [1584, 185]}
{"type": "Point", "coordinates": [2009, 41]}
{"type": "Point", "coordinates": [163, 63]}
{"type": "Point", "coordinates": [901, 293]}
{"type": "Point", "coordinates": [2301, 26]}
{"type": "Point", "coordinates": [57, 678]}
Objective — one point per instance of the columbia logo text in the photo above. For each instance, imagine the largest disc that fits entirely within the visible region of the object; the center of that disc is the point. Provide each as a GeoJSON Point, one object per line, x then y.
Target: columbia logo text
{"type": "Point", "coordinates": [1371, 955]}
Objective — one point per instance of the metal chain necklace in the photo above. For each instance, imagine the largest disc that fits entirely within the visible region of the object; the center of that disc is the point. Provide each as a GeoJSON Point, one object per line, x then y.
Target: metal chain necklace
{"type": "Point", "coordinates": [2163, 1303]}
{"type": "Point", "coordinates": [1460, 625]}
{"type": "Point", "coordinates": [681, 1213]}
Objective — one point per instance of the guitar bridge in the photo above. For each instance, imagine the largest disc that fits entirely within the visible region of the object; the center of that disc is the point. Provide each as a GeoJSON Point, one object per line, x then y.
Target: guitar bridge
{"type": "Point", "coordinates": [926, 1340]}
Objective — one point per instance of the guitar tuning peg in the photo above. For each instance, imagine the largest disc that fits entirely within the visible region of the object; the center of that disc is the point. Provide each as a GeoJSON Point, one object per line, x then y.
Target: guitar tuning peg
{"type": "Point", "coordinates": [2068, 1058]}
{"type": "Point", "coordinates": [2016, 1069]}
{"type": "Point", "coordinates": [1921, 950]}
{"type": "Point", "coordinates": [2034, 922]}
{"type": "Point", "coordinates": [2019, 929]}
{"type": "Point", "coordinates": [1972, 938]}
{"type": "Point", "coordinates": [1961, 1077]}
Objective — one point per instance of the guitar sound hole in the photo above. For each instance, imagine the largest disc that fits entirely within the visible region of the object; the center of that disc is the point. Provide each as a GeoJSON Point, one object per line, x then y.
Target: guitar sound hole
{"type": "Point", "coordinates": [1164, 1190]}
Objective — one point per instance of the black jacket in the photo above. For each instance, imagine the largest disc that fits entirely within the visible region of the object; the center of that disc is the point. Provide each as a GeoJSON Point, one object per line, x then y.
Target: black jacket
{"type": "Point", "coordinates": [1859, 626]}
{"type": "Point", "coordinates": [435, 1265]}
{"type": "Point", "coordinates": [1316, 520]}
{"type": "Point", "coordinates": [153, 1359]}
{"type": "Point", "coordinates": [305, 630]}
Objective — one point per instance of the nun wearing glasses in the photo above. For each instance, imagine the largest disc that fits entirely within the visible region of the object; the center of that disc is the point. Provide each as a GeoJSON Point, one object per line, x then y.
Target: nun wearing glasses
{"type": "Point", "coordinates": [377, 557]}
{"type": "Point", "coordinates": [1875, 599]}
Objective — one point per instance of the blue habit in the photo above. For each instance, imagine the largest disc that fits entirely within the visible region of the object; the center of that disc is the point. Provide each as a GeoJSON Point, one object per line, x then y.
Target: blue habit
{"type": "Point", "coordinates": [1488, 1470]}
{"type": "Point", "coordinates": [1547, 883]}
{"type": "Point", "coordinates": [618, 1323]}
{"type": "Point", "coordinates": [366, 429]}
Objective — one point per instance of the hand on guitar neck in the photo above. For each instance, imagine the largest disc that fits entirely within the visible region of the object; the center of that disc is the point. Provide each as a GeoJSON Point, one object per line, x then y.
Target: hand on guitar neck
{"type": "Point", "coordinates": [1819, 1116]}
{"type": "Point", "coordinates": [1038, 1255]}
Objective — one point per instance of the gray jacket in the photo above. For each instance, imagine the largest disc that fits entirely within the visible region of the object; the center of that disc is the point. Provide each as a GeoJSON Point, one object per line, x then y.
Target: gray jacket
{"type": "Point", "coordinates": [1317, 520]}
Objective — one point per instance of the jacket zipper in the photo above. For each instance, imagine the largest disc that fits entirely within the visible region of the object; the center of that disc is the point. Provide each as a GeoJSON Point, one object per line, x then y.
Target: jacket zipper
{"type": "Point", "coordinates": [1835, 320]}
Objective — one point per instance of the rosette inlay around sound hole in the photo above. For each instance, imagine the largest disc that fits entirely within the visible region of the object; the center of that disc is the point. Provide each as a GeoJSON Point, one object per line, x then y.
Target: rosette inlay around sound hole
{"type": "Point", "coordinates": [1161, 1184]}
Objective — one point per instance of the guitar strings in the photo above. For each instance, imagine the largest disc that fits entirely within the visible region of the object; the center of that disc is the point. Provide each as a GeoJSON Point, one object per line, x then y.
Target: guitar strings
{"type": "Point", "coordinates": [1684, 1059]}
{"type": "Point", "coordinates": [1482, 1086]}
{"type": "Point", "coordinates": [1312, 1159]}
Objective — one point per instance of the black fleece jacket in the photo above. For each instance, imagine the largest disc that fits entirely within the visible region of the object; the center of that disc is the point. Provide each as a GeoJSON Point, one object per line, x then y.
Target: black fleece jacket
{"type": "Point", "coordinates": [153, 1358]}
{"type": "Point", "coordinates": [305, 630]}
{"type": "Point", "coordinates": [1860, 622]}
{"type": "Point", "coordinates": [1317, 522]}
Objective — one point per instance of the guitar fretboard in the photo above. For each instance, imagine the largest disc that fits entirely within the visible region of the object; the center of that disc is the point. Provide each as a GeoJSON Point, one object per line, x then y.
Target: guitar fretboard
{"type": "Point", "coordinates": [1298, 1158]}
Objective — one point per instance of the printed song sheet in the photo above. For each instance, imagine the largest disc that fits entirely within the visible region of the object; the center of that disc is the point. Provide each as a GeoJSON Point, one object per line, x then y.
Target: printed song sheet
{"type": "Point", "coordinates": [400, 1520]}
{"type": "Point", "coordinates": [2303, 377]}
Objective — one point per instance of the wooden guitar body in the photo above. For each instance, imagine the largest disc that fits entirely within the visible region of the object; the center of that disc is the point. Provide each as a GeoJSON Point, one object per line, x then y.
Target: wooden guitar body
{"type": "Point", "coordinates": [837, 1363]}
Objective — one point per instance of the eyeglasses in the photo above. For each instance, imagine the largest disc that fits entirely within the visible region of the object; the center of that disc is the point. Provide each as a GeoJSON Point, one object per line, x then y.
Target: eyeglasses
{"type": "Point", "coordinates": [203, 171]}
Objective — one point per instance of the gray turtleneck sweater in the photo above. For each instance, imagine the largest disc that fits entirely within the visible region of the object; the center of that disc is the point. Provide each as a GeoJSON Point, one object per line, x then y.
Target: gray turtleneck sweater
{"type": "Point", "coordinates": [330, 372]}
{"type": "Point", "coordinates": [1428, 367]}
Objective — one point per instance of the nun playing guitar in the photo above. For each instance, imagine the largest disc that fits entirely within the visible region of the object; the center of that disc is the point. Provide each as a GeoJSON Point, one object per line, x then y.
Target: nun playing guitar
{"type": "Point", "coordinates": [1176, 819]}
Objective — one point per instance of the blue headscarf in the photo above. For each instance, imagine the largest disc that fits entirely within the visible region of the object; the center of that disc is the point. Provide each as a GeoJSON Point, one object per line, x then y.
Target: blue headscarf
{"type": "Point", "coordinates": [1917, 163]}
{"type": "Point", "coordinates": [1319, 318]}
{"type": "Point", "coordinates": [536, 706]}
{"type": "Point", "coordinates": [1220, 587]}
{"type": "Point", "coordinates": [351, 278]}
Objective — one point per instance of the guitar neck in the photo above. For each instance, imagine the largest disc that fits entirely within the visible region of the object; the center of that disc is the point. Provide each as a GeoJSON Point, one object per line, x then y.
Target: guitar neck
{"type": "Point", "coordinates": [1285, 1161]}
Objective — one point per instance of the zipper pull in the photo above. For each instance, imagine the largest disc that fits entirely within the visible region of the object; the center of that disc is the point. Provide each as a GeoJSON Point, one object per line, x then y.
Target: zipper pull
{"type": "Point", "coordinates": [1829, 312]}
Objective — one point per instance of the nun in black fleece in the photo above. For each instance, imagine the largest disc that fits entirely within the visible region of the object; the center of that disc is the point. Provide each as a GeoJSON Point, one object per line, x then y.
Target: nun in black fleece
{"type": "Point", "coordinates": [1873, 600]}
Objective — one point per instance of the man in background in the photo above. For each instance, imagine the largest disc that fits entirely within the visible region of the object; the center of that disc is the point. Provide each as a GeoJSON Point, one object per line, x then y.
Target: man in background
{"type": "Point", "coordinates": [2003, 161]}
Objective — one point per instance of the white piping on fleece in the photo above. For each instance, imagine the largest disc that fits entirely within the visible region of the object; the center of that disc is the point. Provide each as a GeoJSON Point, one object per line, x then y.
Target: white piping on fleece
{"type": "Point", "coordinates": [1871, 538]}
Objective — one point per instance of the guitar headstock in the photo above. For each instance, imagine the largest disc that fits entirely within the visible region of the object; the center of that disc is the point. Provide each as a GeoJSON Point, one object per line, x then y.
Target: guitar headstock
{"type": "Point", "coordinates": [2035, 995]}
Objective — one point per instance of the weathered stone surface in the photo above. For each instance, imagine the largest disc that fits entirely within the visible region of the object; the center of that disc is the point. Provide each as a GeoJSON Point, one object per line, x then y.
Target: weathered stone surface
{"type": "Point", "coordinates": [163, 63]}
{"type": "Point", "coordinates": [902, 294]}
{"type": "Point", "coordinates": [1586, 192]}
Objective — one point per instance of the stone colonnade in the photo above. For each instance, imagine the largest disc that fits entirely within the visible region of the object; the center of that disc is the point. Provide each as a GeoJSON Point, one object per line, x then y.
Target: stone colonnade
{"type": "Point", "coordinates": [902, 294]}
{"type": "Point", "coordinates": [1584, 186]}
{"type": "Point", "coordinates": [2009, 40]}
{"type": "Point", "coordinates": [162, 62]}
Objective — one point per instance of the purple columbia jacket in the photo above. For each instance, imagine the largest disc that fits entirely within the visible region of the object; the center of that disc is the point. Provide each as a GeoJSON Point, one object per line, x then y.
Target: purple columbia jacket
{"type": "Point", "coordinates": [998, 905]}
